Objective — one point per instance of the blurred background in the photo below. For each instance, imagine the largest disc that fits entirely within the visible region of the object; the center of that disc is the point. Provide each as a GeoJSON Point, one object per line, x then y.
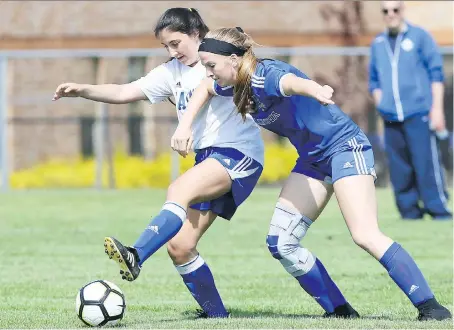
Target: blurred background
{"type": "Point", "coordinates": [79, 143]}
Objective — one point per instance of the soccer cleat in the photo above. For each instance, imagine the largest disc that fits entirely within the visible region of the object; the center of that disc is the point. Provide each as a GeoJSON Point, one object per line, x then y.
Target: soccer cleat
{"type": "Point", "coordinates": [432, 310]}
{"type": "Point", "coordinates": [126, 257]}
{"type": "Point", "coordinates": [345, 311]}
{"type": "Point", "coordinates": [201, 314]}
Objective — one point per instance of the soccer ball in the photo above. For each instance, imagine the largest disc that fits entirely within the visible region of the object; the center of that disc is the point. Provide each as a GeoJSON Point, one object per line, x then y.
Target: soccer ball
{"type": "Point", "coordinates": [99, 303]}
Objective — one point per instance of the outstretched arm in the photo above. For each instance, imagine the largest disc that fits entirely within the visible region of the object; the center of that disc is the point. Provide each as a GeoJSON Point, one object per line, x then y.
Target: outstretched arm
{"type": "Point", "coordinates": [182, 139]}
{"type": "Point", "coordinates": [155, 86]}
{"type": "Point", "coordinates": [293, 85]}
{"type": "Point", "coordinates": [108, 93]}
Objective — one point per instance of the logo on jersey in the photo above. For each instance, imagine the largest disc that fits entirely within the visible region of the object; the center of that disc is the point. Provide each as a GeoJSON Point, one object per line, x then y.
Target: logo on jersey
{"type": "Point", "coordinates": [407, 45]}
{"type": "Point", "coordinates": [273, 116]}
{"type": "Point", "coordinates": [347, 165]}
{"type": "Point", "coordinates": [183, 99]}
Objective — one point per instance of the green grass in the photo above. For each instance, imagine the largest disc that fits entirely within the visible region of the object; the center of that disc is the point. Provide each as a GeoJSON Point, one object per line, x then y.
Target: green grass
{"type": "Point", "coordinates": [52, 244]}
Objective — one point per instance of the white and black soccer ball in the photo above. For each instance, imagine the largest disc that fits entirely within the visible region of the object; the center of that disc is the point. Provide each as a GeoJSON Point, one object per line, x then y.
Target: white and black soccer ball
{"type": "Point", "coordinates": [100, 303]}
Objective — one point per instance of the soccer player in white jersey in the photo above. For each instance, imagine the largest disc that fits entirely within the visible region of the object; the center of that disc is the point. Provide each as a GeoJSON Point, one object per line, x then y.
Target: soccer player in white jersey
{"type": "Point", "coordinates": [228, 162]}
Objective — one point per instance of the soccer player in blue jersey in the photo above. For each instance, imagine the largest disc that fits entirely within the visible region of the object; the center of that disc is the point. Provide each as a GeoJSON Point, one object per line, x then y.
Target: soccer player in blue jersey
{"type": "Point", "coordinates": [334, 156]}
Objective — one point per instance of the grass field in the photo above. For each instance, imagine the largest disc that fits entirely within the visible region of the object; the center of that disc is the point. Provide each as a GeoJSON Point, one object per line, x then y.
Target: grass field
{"type": "Point", "coordinates": [52, 244]}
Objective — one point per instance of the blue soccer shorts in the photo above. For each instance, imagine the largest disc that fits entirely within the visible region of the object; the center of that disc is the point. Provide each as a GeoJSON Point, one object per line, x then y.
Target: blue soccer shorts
{"type": "Point", "coordinates": [244, 172]}
{"type": "Point", "coordinates": [354, 157]}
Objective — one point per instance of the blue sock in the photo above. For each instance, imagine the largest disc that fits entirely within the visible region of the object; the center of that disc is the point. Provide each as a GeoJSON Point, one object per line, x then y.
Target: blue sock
{"type": "Point", "coordinates": [336, 296]}
{"type": "Point", "coordinates": [314, 284]}
{"type": "Point", "coordinates": [200, 282]}
{"type": "Point", "coordinates": [406, 274]}
{"type": "Point", "coordinates": [160, 230]}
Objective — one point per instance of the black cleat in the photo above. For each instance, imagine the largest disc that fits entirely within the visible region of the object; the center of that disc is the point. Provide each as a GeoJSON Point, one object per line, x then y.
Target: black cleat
{"type": "Point", "coordinates": [201, 314]}
{"type": "Point", "coordinates": [344, 311]}
{"type": "Point", "coordinates": [126, 257]}
{"type": "Point", "coordinates": [432, 310]}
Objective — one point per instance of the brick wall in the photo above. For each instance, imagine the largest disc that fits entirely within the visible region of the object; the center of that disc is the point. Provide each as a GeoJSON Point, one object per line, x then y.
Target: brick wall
{"type": "Point", "coordinates": [32, 81]}
{"type": "Point", "coordinates": [66, 18]}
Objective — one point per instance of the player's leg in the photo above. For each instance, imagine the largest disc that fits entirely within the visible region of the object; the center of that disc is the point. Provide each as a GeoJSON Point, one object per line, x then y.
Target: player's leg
{"type": "Point", "coordinates": [196, 274]}
{"type": "Point", "coordinates": [206, 180]}
{"type": "Point", "coordinates": [423, 146]}
{"type": "Point", "coordinates": [244, 173]}
{"type": "Point", "coordinates": [301, 201]}
{"type": "Point", "coordinates": [355, 192]}
{"type": "Point", "coordinates": [401, 172]}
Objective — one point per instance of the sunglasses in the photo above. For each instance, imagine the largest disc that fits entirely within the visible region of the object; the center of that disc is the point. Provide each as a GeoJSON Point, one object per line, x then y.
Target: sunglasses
{"type": "Point", "coordinates": [386, 11]}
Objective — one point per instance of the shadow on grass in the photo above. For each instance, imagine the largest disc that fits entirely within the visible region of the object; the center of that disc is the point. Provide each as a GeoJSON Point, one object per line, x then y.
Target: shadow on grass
{"type": "Point", "coordinates": [237, 313]}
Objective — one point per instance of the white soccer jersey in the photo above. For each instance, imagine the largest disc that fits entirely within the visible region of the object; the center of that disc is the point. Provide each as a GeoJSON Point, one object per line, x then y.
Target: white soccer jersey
{"type": "Point", "coordinates": [218, 124]}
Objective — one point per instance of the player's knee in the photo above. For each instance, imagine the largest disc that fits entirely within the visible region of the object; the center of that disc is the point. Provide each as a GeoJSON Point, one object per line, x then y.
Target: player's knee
{"type": "Point", "coordinates": [295, 259]}
{"type": "Point", "coordinates": [279, 247]}
{"type": "Point", "coordinates": [287, 229]}
{"type": "Point", "coordinates": [180, 251]}
{"type": "Point", "coordinates": [272, 244]}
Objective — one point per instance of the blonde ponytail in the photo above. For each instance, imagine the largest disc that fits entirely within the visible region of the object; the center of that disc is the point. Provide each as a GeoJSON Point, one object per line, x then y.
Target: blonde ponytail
{"type": "Point", "coordinates": [243, 91]}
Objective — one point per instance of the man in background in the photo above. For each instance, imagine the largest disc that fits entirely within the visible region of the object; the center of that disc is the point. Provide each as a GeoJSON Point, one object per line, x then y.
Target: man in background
{"type": "Point", "coordinates": [406, 81]}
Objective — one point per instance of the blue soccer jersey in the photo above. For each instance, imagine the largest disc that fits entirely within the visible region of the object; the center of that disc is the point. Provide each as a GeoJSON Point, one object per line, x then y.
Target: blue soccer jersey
{"type": "Point", "coordinates": [316, 131]}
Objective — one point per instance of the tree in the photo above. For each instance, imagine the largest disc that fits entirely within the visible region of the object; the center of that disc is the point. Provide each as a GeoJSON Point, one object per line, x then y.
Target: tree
{"type": "Point", "coordinates": [350, 81]}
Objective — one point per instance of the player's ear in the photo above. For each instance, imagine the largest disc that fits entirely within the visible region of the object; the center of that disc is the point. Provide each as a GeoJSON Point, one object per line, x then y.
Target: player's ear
{"type": "Point", "coordinates": [195, 35]}
{"type": "Point", "coordinates": [234, 60]}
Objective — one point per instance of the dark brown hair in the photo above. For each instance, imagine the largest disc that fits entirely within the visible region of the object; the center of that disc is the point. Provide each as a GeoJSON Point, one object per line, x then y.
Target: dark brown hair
{"type": "Point", "coordinates": [184, 20]}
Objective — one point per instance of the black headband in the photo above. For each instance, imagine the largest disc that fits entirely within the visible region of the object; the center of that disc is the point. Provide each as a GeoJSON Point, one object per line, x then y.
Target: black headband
{"type": "Point", "coordinates": [220, 47]}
